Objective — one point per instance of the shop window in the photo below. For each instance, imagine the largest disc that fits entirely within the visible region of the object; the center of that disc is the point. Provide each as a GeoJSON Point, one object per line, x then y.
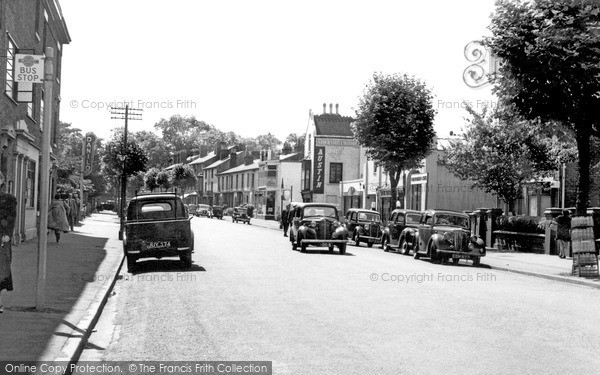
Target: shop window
{"type": "Point", "coordinates": [30, 193]}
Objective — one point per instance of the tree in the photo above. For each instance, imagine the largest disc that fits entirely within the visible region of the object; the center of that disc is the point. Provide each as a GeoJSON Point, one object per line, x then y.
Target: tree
{"type": "Point", "coordinates": [500, 153]}
{"type": "Point", "coordinates": [150, 179]}
{"type": "Point", "coordinates": [267, 141]}
{"type": "Point", "coordinates": [296, 141]}
{"type": "Point", "coordinates": [183, 135]}
{"type": "Point", "coordinates": [183, 177]}
{"type": "Point", "coordinates": [551, 68]}
{"type": "Point", "coordinates": [394, 121]}
{"type": "Point", "coordinates": [135, 157]}
{"type": "Point", "coordinates": [157, 150]}
{"type": "Point", "coordinates": [164, 180]}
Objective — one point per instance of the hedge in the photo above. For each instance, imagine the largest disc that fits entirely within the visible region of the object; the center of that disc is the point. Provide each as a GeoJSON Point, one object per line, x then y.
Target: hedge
{"type": "Point", "coordinates": [521, 224]}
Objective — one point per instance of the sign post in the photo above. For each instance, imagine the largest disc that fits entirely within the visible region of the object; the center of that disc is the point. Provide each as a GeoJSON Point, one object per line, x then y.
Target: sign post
{"type": "Point", "coordinates": [44, 180]}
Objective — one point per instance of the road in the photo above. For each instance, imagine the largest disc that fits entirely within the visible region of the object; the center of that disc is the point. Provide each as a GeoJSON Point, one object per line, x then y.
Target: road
{"type": "Point", "coordinates": [248, 296]}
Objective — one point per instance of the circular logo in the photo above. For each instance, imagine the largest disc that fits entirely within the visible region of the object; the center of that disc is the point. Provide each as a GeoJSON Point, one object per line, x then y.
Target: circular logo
{"type": "Point", "coordinates": [28, 61]}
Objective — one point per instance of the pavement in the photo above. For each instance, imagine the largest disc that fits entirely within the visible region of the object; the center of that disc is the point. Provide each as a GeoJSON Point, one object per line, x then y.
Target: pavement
{"type": "Point", "coordinates": [83, 268]}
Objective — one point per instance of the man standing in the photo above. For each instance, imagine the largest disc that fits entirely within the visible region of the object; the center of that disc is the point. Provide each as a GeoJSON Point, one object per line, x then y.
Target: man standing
{"type": "Point", "coordinates": [73, 209]}
{"type": "Point", "coordinates": [563, 234]}
{"type": "Point", "coordinates": [284, 221]}
{"type": "Point", "coordinates": [8, 212]}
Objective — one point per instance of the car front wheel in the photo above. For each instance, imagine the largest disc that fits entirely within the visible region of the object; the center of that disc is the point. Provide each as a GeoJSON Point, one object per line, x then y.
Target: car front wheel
{"type": "Point", "coordinates": [342, 248]}
{"type": "Point", "coordinates": [433, 254]}
{"type": "Point", "coordinates": [404, 250]}
{"type": "Point", "coordinates": [476, 261]}
{"type": "Point", "coordinates": [385, 244]}
{"type": "Point", "coordinates": [356, 239]}
{"type": "Point", "coordinates": [131, 264]}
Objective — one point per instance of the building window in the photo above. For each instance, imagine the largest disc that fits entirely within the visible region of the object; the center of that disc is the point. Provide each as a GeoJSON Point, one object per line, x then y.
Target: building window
{"type": "Point", "coordinates": [30, 183]}
{"type": "Point", "coordinates": [272, 171]}
{"type": "Point", "coordinates": [335, 172]}
{"type": "Point", "coordinates": [242, 181]}
{"type": "Point", "coordinates": [306, 175]}
{"type": "Point", "coordinates": [237, 180]}
{"type": "Point", "coordinates": [253, 180]}
{"type": "Point", "coordinates": [10, 59]}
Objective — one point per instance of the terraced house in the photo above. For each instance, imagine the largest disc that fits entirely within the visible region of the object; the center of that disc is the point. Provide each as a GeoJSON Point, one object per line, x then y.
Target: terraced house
{"type": "Point", "coordinates": [27, 26]}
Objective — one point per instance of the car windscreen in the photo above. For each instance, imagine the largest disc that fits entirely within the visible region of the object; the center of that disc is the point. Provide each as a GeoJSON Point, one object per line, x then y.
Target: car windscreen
{"type": "Point", "coordinates": [450, 219]}
{"type": "Point", "coordinates": [413, 218]}
{"type": "Point", "coordinates": [320, 211]}
{"type": "Point", "coordinates": [368, 216]}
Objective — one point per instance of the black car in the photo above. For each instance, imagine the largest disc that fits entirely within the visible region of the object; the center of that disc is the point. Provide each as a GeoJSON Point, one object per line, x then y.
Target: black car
{"type": "Point", "coordinates": [364, 226]}
{"type": "Point", "coordinates": [401, 231]}
{"type": "Point", "coordinates": [317, 224]}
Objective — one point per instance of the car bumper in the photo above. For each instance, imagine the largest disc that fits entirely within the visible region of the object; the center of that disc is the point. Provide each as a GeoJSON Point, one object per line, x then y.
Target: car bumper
{"type": "Point", "coordinates": [318, 242]}
{"type": "Point", "coordinates": [158, 253]}
{"type": "Point", "coordinates": [370, 239]}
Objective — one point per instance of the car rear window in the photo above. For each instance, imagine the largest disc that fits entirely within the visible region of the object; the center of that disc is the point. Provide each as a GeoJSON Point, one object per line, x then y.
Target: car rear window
{"type": "Point", "coordinates": [363, 216]}
{"type": "Point", "coordinates": [156, 210]}
{"type": "Point", "coordinates": [320, 211]}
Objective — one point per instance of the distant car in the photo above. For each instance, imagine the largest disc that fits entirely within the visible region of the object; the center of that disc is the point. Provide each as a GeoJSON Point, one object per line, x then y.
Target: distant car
{"type": "Point", "coordinates": [217, 211]}
{"type": "Point", "coordinates": [157, 226]}
{"type": "Point", "coordinates": [192, 208]}
{"type": "Point", "coordinates": [203, 210]}
{"type": "Point", "coordinates": [364, 226]}
{"type": "Point", "coordinates": [317, 224]}
{"type": "Point", "coordinates": [445, 235]}
{"type": "Point", "coordinates": [401, 231]}
{"type": "Point", "coordinates": [241, 214]}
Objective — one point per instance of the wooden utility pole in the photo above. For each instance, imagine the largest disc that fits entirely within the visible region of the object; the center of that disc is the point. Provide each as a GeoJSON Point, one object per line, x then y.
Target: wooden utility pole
{"type": "Point", "coordinates": [126, 114]}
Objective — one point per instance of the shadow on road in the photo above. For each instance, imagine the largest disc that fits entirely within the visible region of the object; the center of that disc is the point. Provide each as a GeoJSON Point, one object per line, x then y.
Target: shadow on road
{"type": "Point", "coordinates": [165, 265]}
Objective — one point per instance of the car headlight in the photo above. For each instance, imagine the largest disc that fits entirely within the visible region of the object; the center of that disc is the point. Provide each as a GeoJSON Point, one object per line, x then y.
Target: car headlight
{"type": "Point", "coordinates": [449, 237]}
{"type": "Point", "coordinates": [474, 239]}
{"type": "Point", "coordinates": [336, 224]}
{"type": "Point", "coordinates": [313, 224]}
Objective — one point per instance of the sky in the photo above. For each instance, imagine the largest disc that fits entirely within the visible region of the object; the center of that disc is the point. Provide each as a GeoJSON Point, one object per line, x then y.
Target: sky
{"type": "Point", "coordinates": [257, 67]}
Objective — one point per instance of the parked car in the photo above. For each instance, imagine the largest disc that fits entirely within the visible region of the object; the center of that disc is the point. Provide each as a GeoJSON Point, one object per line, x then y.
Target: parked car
{"type": "Point", "coordinates": [364, 226]}
{"type": "Point", "coordinates": [317, 224]}
{"type": "Point", "coordinates": [192, 208]}
{"type": "Point", "coordinates": [203, 210]}
{"type": "Point", "coordinates": [217, 211]}
{"type": "Point", "coordinates": [401, 231]}
{"type": "Point", "coordinates": [157, 226]}
{"type": "Point", "coordinates": [241, 214]}
{"type": "Point", "coordinates": [445, 235]}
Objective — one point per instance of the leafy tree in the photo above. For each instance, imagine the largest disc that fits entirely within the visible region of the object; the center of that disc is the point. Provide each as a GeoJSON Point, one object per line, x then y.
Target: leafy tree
{"type": "Point", "coordinates": [183, 177]}
{"type": "Point", "coordinates": [183, 135]}
{"type": "Point", "coordinates": [394, 121]}
{"type": "Point", "coordinates": [296, 140]}
{"type": "Point", "coordinates": [135, 157]}
{"type": "Point", "coordinates": [164, 180]}
{"type": "Point", "coordinates": [267, 141]}
{"type": "Point", "coordinates": [157, 150]}
{"type": "Point", "coordinates": [150, 179]}
{"type": "Point", "coordinates": [136, 182]}
{"type": "Point", "coordinates": [500, 153]}
{"type": "Point", "coordinates": [551, 68]}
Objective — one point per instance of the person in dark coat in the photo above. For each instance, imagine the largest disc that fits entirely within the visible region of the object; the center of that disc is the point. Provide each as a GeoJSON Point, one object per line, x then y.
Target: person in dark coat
{"type": "Point", "coordinates": [57, 217]}
{"type": "Point", "coordinates": [563, 234]}
{"type": "Point", "coordinates": [8, 213]}
{"type": "Point", "coordinates": [285, 221]}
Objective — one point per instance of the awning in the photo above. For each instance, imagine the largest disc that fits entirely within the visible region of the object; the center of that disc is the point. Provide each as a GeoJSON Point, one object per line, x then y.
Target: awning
{"type": "Point", "coordinates": [190, 194]}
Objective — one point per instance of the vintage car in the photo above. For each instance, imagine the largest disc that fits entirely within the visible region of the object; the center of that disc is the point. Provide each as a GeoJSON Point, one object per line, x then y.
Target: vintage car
{"type": "Point", "coordinates": [157, 226]}
{"type": "Point", "coordinates": [445, 235]}
{"type": "Point", "coordinates": [203, 210]}
{"type": "Point", "coordinates": [401, 231]}
{"type": "Point", "coordinates": [217, 211]}
{"type": "Point", "coordinates": [242, 214]}
{"type": "Point", "coordinates": [192, 208]}
{"type": "Point", "coordinates": [317, 224]}
{"type": "Point", "coordinates": [364, 226]}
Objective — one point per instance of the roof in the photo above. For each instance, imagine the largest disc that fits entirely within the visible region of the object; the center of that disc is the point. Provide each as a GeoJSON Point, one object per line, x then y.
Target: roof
{"type": "Point", "coordinates": [333, 124]}
{"type": "Point", "coordinates": [438, 211]}
{"type": "Point", "coordinates": [362, 210]}
{"type": "Point", "coordinates": [203, 159]}
{"type": "Point", "coordinates": [217, 163]}
{"type": "Point", "coordinates": [243, 167]}
{"type": "Point", "coordinates": [155, 196]}
{"type": "Point", "coordinates": [297, 156]}
{"type": "Point", "coordinates": [404, 210]}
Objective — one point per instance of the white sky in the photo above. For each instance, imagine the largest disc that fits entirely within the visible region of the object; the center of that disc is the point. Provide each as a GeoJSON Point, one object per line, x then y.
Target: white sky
{"type": "Point", "coordinates": [254, 67]}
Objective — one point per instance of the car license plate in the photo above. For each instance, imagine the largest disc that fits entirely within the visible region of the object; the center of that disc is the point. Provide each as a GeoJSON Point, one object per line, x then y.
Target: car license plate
{"type": "Point", "coordinates": [461, 256]}
{"type": "Point", "coordinates": [158, 245]}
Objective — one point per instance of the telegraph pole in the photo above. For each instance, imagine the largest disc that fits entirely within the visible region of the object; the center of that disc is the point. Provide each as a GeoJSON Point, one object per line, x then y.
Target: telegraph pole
{"type": "Point", "coordinates": [127, 114]}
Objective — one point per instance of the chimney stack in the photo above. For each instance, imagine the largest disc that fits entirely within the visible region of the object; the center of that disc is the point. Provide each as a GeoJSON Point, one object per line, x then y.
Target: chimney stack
{"type": "Point", "coordinates": [324, 108]}
{"type": "Point", "coordinates": [248, 159]}
{"type": "Point", "coordinates": [330, 108]}
{"type": "Point", "coordinates": [337, 106]}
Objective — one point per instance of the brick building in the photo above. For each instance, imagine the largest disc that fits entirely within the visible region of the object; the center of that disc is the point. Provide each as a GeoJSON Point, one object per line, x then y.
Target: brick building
{"type": "Point", "coordinates": [28, 26]}
{"type": "Point", "coordinates": [331, 155]}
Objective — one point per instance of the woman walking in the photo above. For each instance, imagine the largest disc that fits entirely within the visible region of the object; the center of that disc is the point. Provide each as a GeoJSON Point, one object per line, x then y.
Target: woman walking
{"type": "Point", "coordinates": [57, 217]}
{"type": "Point", "coordinates": [8, 212]}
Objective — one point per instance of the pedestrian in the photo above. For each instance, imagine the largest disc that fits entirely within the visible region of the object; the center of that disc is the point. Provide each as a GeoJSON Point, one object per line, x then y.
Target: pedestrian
{"type": "Point", "coordinates": [285, 221]}
{"type": "Point", "coordinates": [563, 234]}
{"type": "Point", "coordinates": [8, 212]}
{"type": "Point", "coordinates": [57, 217]}
{"type": "Point", "coordinates": [72, 214]}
